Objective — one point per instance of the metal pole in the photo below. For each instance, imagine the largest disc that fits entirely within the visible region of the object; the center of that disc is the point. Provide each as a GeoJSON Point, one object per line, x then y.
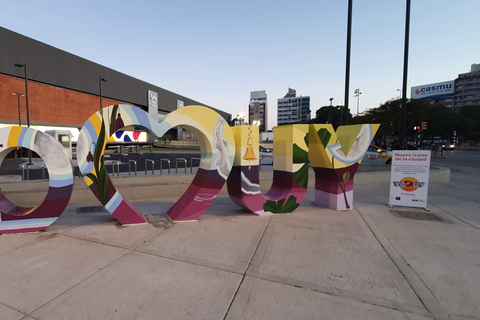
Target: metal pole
{"type": "Point", "coordinates": [24, 65]}
{"type": "Point", "coordinates": [100, 84]}
{"type": "Point", "coordinates": [18, 99]}
{"type": "Point", "coordinates": [358, 103]}
{"type": "Point", "coordinates": [347, 68]}
{"type": "Point", "coordinates": [405, 71]}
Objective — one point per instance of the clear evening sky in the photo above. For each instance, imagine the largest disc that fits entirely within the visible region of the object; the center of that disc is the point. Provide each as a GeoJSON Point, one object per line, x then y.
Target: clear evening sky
{"type": "Point", "coordinates": [217, 52]}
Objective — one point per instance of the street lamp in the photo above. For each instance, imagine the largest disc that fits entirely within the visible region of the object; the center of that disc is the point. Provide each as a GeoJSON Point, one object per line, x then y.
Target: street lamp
{"type": "Point", "coordinates": [240, 117]}
{"type": "Point", "coordinates": [357, 95]}
{"type": "Point", "coordinates": [100, 80]}
{"type": "Point", "coordinates": [18, 94]}
{"type": "Point", "coordinates": [400, 97]}
{"type": "Point", "coordinates": [24, 66]}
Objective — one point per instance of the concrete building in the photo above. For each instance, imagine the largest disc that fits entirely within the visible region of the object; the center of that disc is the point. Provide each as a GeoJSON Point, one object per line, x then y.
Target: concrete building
{"type": "Point", "coordinates": [64, 89]}
{"type": "Point", "coordinates": [292, 109]}
{"type": "Point", "coordinates": [258, 109]}
{"type": "Point", "coordinates": [467, 88]}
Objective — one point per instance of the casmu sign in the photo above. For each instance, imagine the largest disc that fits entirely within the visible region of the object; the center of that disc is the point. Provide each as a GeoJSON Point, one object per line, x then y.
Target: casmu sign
{"type": "Point", "coordinates": [228, 154]}
{"type": "Point", "coordinates": [434, 91]}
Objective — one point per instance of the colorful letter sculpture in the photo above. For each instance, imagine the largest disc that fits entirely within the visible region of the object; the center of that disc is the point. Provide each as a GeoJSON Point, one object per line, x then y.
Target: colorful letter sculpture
{"type": "Point", "coordinates": [212, 131]}
{"type": "Point", "coordinates": [227, 153]}
{"type": "Point", "coordinates": [15, 219]}
{"type": "Point", "coordinates": [290, 170]}
{"type": "Point", "coordinates": [335, 158]}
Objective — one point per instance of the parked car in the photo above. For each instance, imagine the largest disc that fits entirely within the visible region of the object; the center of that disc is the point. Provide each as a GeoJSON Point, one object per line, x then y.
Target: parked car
{"type": "Point", "coordinates": [266, 155]}
{"type": "Point", "coordinates": [377, 156]}
{"type": "Point", "coordinates": [444, 145]}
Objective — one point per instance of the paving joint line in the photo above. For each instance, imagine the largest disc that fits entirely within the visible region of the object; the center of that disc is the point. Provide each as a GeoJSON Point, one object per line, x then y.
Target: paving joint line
{"type": "Point", "coordinates": [244, 273]}
{"type": "Point", "coordinates": [431, 304]}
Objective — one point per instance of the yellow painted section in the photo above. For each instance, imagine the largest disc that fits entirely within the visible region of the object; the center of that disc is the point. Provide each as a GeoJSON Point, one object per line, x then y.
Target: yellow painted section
{"type": "Point", "coordinates": [13, 136]}
{"type": "Point", "coordinates": [346, 136]}
{"type": "Point", "coordinates": [96, 123]}
{"type": "Point", "coordinates": [283, 139]}
{"type": "Point", "coordinates": [241, 136]}
{"type": "Point", "coordinates": [318, 155]}
{"type": "Point", "coordinates": [88, 181]}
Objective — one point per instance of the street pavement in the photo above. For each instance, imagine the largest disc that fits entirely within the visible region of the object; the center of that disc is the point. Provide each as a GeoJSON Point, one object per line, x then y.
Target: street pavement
{"type": "Point", "coordinates": [371, 262]}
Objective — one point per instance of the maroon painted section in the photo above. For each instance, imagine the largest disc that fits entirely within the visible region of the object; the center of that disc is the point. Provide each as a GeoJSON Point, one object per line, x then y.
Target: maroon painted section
{"type": "Point", "coordinates": [126, 213]}
{"type": "Point", "coordinates": [24, 230]}
{"type": "Point", "coordinates": [327, 179]}
{"type": "Point", "coordinates": [283, 186]}
{"type": "Point", "coordinates": [51, 207]}
{"type": "Point", "coordinates": [198, 196]}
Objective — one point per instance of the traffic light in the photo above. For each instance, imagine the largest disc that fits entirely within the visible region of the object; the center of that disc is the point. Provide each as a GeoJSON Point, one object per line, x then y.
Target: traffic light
{"type": "Point", "coordinates": [423, 126]}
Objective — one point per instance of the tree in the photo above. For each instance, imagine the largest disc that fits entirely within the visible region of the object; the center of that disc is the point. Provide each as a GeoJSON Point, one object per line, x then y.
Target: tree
{"type": "Point", "coordinates": [442, 121]}
{"type": "Point", "coordinates": [329, 114]}
{"type": "Point", "coordinates": [472, 112]}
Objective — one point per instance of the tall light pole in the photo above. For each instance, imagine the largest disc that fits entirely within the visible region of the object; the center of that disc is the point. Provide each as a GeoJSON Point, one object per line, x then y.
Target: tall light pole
{"type": "Point", "coordinates": [405, 71]}
{"type": "Point", "coordinates": [347, 68]}
{"type": "Point", "coordinates": [18, 94]}
{"type": "Point", "coordinates": [100, 80]}
{"type": "Point", "coordinates": [357, 95]}
{"type": "Point", "coordinates": [24, 66]}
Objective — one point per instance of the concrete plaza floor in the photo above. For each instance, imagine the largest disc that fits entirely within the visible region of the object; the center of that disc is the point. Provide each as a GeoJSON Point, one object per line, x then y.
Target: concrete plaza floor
{"type": "Point", "coordinates": [371, 262]}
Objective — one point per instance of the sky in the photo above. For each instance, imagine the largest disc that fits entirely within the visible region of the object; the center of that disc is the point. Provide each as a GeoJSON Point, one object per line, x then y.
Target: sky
{"type": "Point", "coordinates": [217, 52]}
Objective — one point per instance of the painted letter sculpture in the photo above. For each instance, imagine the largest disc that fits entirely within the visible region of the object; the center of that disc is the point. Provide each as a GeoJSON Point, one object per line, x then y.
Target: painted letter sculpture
{"type": "Point", "coordinates": [226, 153]}
{"type": "Point", "coordinates": [290, 170]}
{"type": "Point", "coordinates": [212, 131]}
{"type": "Point", "coordinates": [15, 219]}
{"type": "Point", "coordinates": [335, 157]}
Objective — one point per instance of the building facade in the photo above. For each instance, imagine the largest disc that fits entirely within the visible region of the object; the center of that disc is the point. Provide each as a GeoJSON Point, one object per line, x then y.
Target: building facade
{"type": "Point", "coordinates": [64, 89]}
{"type": "Point", "coordinates": [467, 88]}
{"type": "Point", "coordinates": [292, 109]}
{"type": "Point", "coordinates": [258, 109]}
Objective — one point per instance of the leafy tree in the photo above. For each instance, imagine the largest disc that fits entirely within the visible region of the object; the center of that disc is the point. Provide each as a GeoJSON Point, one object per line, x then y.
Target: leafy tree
{"type": "Point", "coordinates": [442, 121]}
{"type": "Point", "coordinates": [330, 114]}
{"type": "Point", "coordinates": [473, 113]}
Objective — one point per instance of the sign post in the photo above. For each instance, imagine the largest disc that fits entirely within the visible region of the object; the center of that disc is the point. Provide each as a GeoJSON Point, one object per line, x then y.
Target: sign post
{"type": "Point", "coordinates": [409, 178]}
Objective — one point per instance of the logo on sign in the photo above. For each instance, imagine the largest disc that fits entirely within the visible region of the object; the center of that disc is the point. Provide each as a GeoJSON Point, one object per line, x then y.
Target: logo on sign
{"type": "Point", "coordinates": [408, 184]}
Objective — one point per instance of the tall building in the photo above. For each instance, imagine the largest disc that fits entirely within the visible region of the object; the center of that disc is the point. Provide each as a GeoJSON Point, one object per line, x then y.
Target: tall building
{"type": "Point", "coordinates": [258, 109]}
{"type": "Point", "coordinates": [293, 109]}
{"type": "Point", "coordinates": [467, 88]}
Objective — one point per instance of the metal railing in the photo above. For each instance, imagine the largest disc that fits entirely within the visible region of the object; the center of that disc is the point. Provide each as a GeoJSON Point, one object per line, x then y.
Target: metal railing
{"type": "Point", "coordinates": [129, 167]}
{"type": "Point", "coordinates": [116, 162]}
{"type": "Point", "coordinates": [27, 177]}
{"type": "Point", "coordinates": [182, 160]}
{"type": "Point", "coordinates": [191, 163]}
{"type": "Point", "coordinates": [43, 170]}
{"type": "Point", "coordinates": [153, 166]}
{"type": "Point", "coordinates": [168, 162]}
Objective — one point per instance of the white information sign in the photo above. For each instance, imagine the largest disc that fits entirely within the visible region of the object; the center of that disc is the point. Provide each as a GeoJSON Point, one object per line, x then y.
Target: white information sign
{"type": "Point", "coordinates": [409, 178]}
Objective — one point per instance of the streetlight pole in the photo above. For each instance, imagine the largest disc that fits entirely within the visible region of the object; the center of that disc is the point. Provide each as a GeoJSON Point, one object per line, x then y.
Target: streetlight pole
{"type": "Point", "coordinates": [405, 71]}
{"type": "Point", "coordinates": [357, 94]}
{"type": "Point", "coordinates": [347, 68]}
{"type": "Point", "coordinates": [18, 94]}
{"type": "Point", "coordinates": [100, 80]}
{"type": "Point", "coordinates": [24, 66]}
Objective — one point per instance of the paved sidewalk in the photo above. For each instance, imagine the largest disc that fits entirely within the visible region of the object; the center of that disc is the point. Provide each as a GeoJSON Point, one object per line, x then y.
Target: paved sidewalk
{"type": "Point", "coordinates": [371, 262]}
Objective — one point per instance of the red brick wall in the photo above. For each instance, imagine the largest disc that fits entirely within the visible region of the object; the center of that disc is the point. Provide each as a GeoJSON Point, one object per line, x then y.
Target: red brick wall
{"type": "Point", "coordinates": [47, 104]}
